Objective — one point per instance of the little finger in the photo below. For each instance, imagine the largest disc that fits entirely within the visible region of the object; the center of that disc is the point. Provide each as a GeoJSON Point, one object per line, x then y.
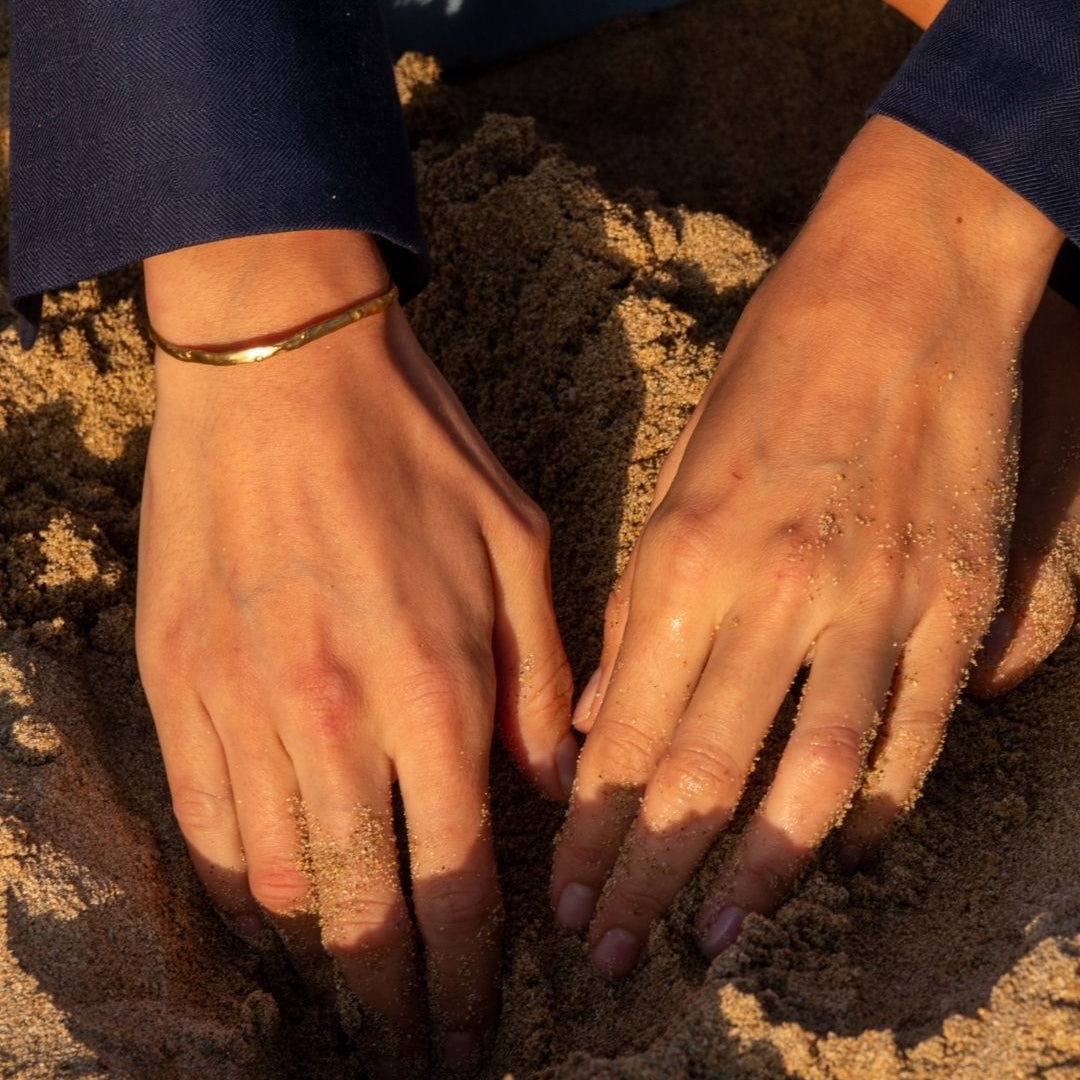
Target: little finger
{"type": "Point", "coordinates": [533, 677]}
{"type": "Point", "coordinates": [929, 679]}
{"type": "Point", "coordinates": [616, 613]}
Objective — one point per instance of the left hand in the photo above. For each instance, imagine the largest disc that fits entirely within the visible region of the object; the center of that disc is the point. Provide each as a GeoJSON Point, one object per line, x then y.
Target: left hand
{"type": "Point", "coordinates": [841, 498]}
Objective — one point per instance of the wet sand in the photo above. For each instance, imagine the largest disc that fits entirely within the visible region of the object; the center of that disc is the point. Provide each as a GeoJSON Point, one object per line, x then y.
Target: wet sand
{"type": "Point", "coordinates": [598, 213]}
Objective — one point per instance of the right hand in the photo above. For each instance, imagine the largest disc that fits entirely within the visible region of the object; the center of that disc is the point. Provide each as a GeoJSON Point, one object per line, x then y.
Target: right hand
{"type": "Point", "coordinates": [339, 589]}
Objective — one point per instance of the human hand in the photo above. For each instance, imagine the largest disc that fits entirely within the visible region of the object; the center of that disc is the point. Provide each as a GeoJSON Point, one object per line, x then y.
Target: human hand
{"type": "Point", "coordinates": [841, 498]}
{"type": "Point", "coordinates": [339, 590]}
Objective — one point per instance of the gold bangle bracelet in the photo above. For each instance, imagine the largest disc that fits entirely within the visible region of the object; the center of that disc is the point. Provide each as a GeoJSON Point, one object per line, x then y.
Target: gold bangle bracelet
{"type": "Point", "coordinates": [257, 353]}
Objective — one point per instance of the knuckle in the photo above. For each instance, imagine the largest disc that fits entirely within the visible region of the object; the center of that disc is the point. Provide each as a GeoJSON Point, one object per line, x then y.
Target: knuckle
{"type": "Point", "coordinates": [583, 853]}
{"type": "Point", "coordinates": [554, 693]}
{"type": "Point", "coordinates": [321, 691]}
{"type": "Point", "coordinates": [279, 887]}
{"type": "Point", "coordinates": [681, 541]}
{"type": "Point", "coordinates": [365, 926]}
{"type": "Point", "coordinates": [535, 523]}
{"type": "Point", "coordinates": [692, 771]}
{"type": "Point", "coordinates": [528, 530]}
{"type": "Point", "coordinates": [163, 650]}
{"type": "Point", "coordinates": [639, 897]}
{"type": "Point", "coordinates": [446, 689]}
{"type": "Point", "coordinates": [431, 691]}
{"type": "Point", "coordinates": [832, 749]}
{"type": "Point", "coordinates": [630, 749]}
{"type": "Point", "coordinates": [200, 812]}
{"type": "Point", "coordinates": [883, 580]}
{"type": "Point", "coordinates": [461, 906]}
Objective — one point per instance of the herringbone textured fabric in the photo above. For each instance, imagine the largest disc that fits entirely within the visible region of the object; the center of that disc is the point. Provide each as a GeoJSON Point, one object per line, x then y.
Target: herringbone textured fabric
{"type": "Point", "coordinates": [999, 82]}
{"type": "Point", "coordinates": [141, 126]}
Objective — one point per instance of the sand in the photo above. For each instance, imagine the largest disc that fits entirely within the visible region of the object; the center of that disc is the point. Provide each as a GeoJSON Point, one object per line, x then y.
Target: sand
{"type": "Point", "coordinates": [578, 313]}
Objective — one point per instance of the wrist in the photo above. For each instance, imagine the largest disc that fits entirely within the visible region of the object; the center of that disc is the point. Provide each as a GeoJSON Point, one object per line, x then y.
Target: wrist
{"type": "Point", "coordinates": [921, 216]}
{"type": "Point", "coordinates": [253, 290]}
{"type": "Point", "coordinates": [244, 290]}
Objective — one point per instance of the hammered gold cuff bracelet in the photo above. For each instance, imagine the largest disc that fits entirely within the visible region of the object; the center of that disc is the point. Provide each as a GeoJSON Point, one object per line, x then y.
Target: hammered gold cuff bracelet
{"type": "Point", "coordinates": [253, 355]}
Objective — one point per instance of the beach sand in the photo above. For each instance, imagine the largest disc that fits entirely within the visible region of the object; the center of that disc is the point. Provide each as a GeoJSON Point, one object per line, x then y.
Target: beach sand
{"type": "Point", "coordinates": [598, 214]}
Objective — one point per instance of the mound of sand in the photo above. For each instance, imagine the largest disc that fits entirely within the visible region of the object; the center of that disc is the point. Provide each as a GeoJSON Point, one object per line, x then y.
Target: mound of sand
{"type": "Point", "coordinates": [579, 320]}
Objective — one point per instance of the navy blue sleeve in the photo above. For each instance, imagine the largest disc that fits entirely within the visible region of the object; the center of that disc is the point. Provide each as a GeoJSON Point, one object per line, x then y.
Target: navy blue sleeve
{"type": "Point", "coordinates": [999, 82]}
{"type": "Point", "coordinates": [141, 127]}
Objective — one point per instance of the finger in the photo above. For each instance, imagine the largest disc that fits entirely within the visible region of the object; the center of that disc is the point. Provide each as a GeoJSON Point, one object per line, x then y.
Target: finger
{"type": "Point", "coordinates": [351, 857]}
{"type": "Point", "coordinates": [696, 786]}
{"type": "Point", "coordinates": [267, 800]}
{"type": "Point", "coordinates": [533, 676]}
{"type": "Point", "coordinates": [1039, 604]}
{"type": "Point", "coordinates": [1037, 613]}
{"type": "Point", "coordinates": [202, 799]}
{"type": "Point", "coordinates": [443, 778]}
{"type": "Point", "coordinates": [618, 605]}
{"type": "Point", "coordinates": [616, 612]}
{"type": "Point", "coordinates": [928, 681]}
{"type": "Point", "coordinates": [653, 676]}
{"type": "Point", "coordinates": [815, 780]}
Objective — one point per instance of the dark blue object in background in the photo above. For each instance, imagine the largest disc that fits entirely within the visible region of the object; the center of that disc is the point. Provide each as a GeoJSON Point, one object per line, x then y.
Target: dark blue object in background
{"type": "Point", "coordinates": [139, 127]}
{"type": "Point", "coordinates": [462, 32]}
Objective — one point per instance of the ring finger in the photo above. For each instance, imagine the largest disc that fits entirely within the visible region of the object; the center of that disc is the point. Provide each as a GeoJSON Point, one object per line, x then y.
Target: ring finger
{"type": "Point", "coordinates": [817, 776]}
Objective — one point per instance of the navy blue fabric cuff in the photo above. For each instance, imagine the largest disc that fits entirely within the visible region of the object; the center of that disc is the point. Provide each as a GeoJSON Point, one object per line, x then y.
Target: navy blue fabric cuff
{"type": "Point", "coordinates": [999, 82]}
{"type": "Point", "coordinates": [138, 128]}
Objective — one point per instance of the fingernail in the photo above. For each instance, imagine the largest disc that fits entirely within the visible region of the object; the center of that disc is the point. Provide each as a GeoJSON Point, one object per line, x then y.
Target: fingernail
{"type": "Point", "coordinates": [617, 953]}
{"type": "Point", "coordinates": [566, 755]}
{"type": "Point", "coordinates": [850, 858]}
{"type": "Point", "coordinates": [1002, 631]}
{"type": "Point", "coordinates": [576, 905]}
{"type": "Point", "coordinates": [461, 1049]}
{"type": "Point", "coordinates": [723, 931]}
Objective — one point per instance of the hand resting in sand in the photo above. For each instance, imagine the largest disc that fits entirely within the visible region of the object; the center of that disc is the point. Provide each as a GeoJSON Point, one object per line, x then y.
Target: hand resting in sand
{"type": "Point", "coordinates": [841, 498]}
{"type": "Point", "coordinates": [340, 587]}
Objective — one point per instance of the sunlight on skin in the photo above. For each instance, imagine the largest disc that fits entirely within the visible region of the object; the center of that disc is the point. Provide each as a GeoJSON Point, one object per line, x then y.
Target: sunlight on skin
{"type": "Point", "coordinates": [326, 548]}
{"type": "Point", "coordinates": [878, 553]}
